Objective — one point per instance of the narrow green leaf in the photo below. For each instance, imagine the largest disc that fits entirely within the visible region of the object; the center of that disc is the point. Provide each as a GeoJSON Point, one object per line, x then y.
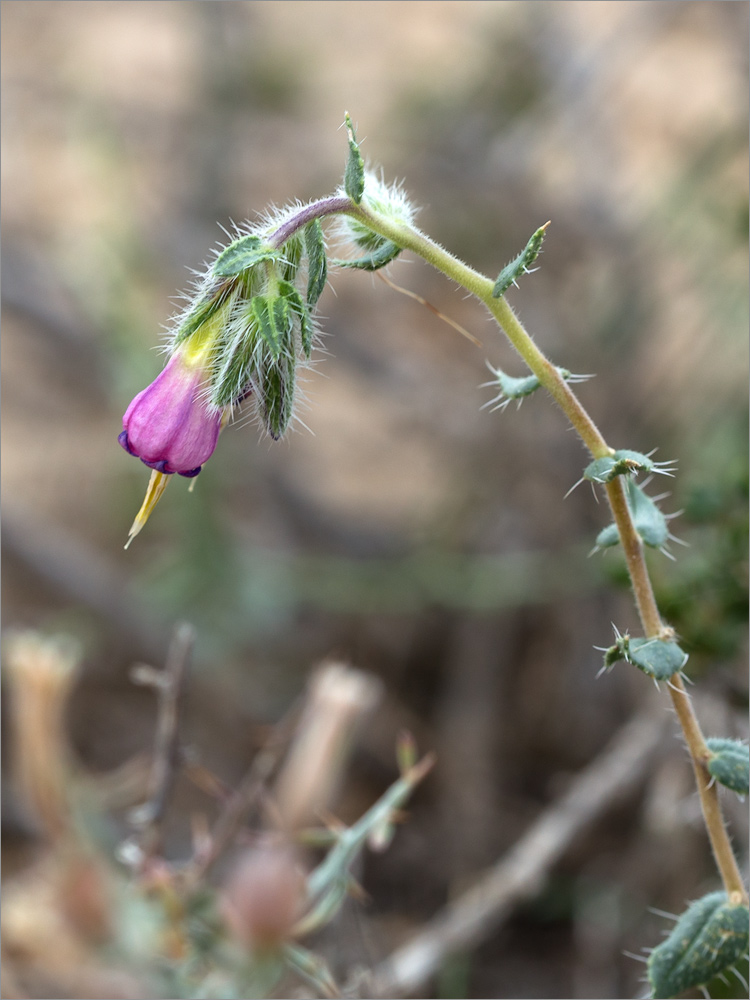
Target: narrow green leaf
{"type": "Point", "coordinates": [730, 763]}
{"type": "Point", "coordinates": [317, 265]}
{"type": "Point", "coordinates": [511, 272]}
{"type": "Point", "coordinates": [354, 176]}
{"type": "Point", "coordinates": [241, 255]}
{"type": "Point", "coordinates": [385, 252]}
{"type": "Point", "coordinates": [710, 936]}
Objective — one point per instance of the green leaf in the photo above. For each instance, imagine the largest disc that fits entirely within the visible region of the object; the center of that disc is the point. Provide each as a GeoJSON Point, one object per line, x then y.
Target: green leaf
{"type": "Point", "coordinates": [659, 658]}
{"type": "Point", "coordinates": [317, 265]}
{"type": "Point", "coordinates": [244, 253]}
{"type": "Point", "coordinates": [710, 936]}
{"type": "Point", "coordinates": [607, 537]}
{"type": "Point", "coordinates": [649, 521]}
{"type": "Point", "coordinates": [521, 264]}
{"type": "Point", "coordinates": [385, 252]}
{"type": "Point", "coordinates": [354, 176]}
{"type": "Point", "coordinates": [729, 763]}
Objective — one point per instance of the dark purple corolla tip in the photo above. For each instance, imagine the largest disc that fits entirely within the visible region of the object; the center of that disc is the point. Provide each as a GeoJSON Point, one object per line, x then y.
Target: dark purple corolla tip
{"type": "Point", "coordinates": [160, 466]}
{"type": "Point", "coordinates": [122, 437]}
{"type": "Point", "coordinates": [191, 473]}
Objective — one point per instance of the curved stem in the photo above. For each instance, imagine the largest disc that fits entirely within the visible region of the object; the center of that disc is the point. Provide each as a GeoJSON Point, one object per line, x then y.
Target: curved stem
{"type": "Point", "coordinates": [548, 375]}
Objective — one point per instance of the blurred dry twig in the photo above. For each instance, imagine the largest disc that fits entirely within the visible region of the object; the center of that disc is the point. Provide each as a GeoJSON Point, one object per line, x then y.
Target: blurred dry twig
{"type": "Point", "coordinates": [519, 875]}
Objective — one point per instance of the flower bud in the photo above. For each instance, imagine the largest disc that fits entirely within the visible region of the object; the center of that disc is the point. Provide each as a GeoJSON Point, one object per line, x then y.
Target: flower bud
{"type": "Point", "coordinates": [169, 425]}
{"type": "Point", "coordinates": [264, 896]}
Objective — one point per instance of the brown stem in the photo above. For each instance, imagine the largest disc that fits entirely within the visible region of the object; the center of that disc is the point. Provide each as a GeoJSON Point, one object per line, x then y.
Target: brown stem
{"type": "Point", "coordinates": [170, 684]}
{"type": "Point", "coordinates": [709, 793]}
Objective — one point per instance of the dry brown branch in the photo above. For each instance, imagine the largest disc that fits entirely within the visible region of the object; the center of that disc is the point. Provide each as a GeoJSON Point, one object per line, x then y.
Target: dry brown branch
{"type": "Point", "coordinates": [520, 874]}
{"type": "Point", "coordinates": [170, 684]}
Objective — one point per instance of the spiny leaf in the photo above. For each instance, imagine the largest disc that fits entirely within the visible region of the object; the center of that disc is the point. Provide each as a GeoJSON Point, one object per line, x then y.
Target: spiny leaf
{"type": "Point", "coordinates": [659, 658]}
{"type": "Point", "coordinates": [354, 176]}
{"type": "Point", "coordinates": [317, 265]}
{"type": "Point", "coordinates": [604, 470]}
{"type": "Point", "coordinates": [710, 936]}
{"type": "Point", "coordinates": [521, 264]}
{"type": "Point", "coordinates": [729, 763]}
{"type": "Point", "coordinates": [244, 253]}
{"type": "Point", "coordinates": [649, 521]}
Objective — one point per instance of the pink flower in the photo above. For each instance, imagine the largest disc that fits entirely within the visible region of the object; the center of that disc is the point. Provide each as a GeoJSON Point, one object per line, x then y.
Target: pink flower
{"type": "Point", "coordinates": [169, 425]}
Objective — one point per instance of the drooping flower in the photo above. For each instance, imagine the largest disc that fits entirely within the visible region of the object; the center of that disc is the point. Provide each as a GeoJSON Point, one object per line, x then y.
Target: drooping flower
{"type": "Point", "coordinates": [169, 425]}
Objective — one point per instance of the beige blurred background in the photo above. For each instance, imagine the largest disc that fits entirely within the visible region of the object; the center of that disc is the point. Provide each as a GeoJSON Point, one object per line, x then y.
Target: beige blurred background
{"type": "Point", "coordinates": [410, 531]}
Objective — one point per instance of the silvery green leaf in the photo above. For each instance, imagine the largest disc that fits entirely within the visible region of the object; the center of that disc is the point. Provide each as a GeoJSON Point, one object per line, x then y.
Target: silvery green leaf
{"type": "Point", "coordinates": [729, 763]}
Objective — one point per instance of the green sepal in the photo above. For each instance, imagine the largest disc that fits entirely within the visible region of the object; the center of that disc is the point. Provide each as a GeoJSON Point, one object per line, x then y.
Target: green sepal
{"type": "Point", "coordinates": [292, 255]}
{"type": "Point", "coordinates": [520, 265]}
{"type": "Point", "coordinates": [312, 968]}
{"type": "Point", "coordinates": [659, 658]}
{"type": "Point", "coordinates": [299, 309]}
{"type": "Point", "coordinates": [204, 310]}
{"type": "Point", "coordinates": [244, 253]}
{"type": "Point", "coordinates": [354, 175]}
{"type": "Point", "coordinates": [235, 370]}
{"type": "Point", "coordinates": [624, 461]}
{"type": "Point", "coordinates": [317, 265]}
{"type": "Point", "coordinates": [710, 936]}
{"type": "Point", "coordinates": [271, 314]}
{"type": "Point", "coordinates": [276, 395]}
{"type": "Point", "coordinates": [385, 252]}
{"type": "Point", "coordinates": [729, 763]}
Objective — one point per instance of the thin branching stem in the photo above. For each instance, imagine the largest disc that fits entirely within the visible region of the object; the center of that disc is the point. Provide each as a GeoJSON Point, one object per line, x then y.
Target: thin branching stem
{"type": "Point", "coordinates": [410, 238]}
{"type": "Point", "coordinates": [549, 376]}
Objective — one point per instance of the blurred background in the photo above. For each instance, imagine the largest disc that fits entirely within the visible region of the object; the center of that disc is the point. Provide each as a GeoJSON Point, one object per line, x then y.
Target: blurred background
{"type": "Point", "coordinates": [410, 532]}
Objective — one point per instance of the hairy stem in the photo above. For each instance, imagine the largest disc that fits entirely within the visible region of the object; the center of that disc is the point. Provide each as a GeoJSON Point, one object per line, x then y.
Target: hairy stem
{"type": "Point", "coordinates": [548, 375]}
